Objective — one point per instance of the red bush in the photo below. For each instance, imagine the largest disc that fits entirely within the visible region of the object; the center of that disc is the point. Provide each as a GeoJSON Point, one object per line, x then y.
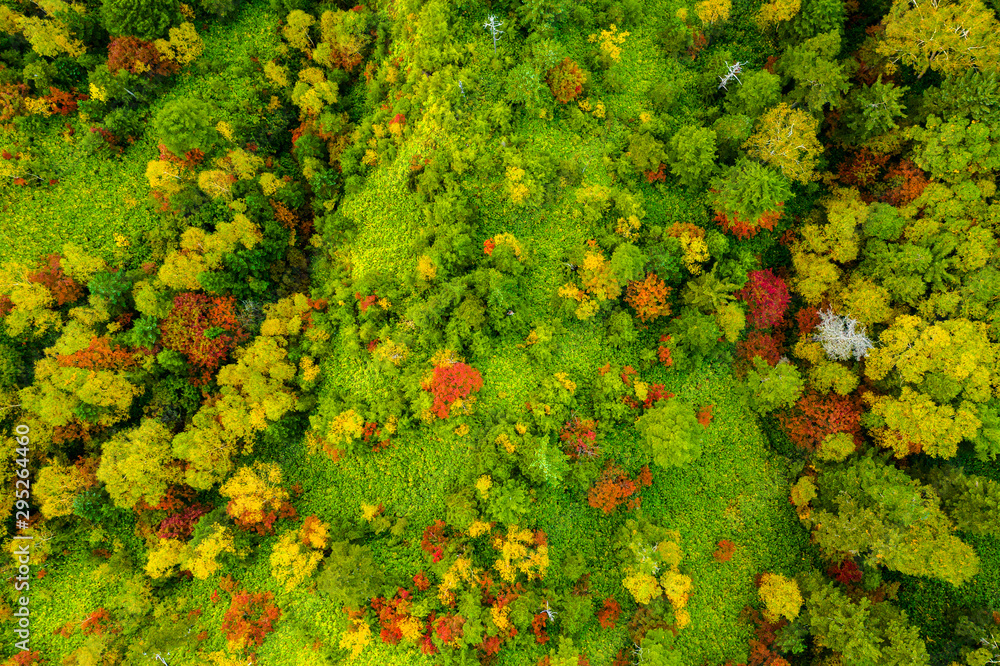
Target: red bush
{"type": "Point", "coordinates": [724, 553]}
{"type": "Point", "coordinates": [453, 382]}
{"type": "Point", "coordinates": [815, 416]}
{"type": "Point", "coordinates": [580, 435]}
{"type": "Point", "coordinates": [614, 487]}
{"type": "Point", "coordinates": [433, 540]}
{"type": "Point", "coordinates": [538, 628]}
{"type": "Point", "coordinates": [705, 415]}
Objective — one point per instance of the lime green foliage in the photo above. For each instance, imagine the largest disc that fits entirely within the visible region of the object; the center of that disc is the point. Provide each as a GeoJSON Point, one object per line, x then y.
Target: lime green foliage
{"type": "Point", "coordinates": [770, 388]}
{"type": "Point", "coordinates": [955, 150]}
{"type": "Point", "coordinates": [760, 90]}
{"type": "Point", "coordinates": [692, 154]}
{"type": "Point", "coordinates": [671, 433]}
{"type": "Point", "coordinates": [185, 124]}
{"type": "Point", "coordinates": [862, 632]}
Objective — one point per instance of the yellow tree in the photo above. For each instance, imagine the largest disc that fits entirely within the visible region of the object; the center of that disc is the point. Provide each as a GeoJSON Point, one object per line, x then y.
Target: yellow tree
{"type": "Point", "coordinates": [136, 466]}
{"type": "Point", "coordinates": [256, 496]}
{"type": "Point", "coordinates": [297, 553]}
{"type": "Point", "coordinates": [781, 597]}
{"type": "Point", "coordinates": [786, 139]}
{"type": "Point", "coordinates": [948, 36]}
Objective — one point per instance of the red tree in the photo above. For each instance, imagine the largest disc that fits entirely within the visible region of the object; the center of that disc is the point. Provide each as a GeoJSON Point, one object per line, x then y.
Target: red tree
{"type": "Point", "coordinates": [610, 613]}
{"type": "Point", "coordinates": [203, 328]}
{"type": "Point", "coordinates": [451, 383]}
{"type": "Point", "coordinates": [724, 552]}
{"type": "Point", "coordinates": [815, 416]}
{"type": "Point", "coordinates": [250, 618]}
{"type": "Point", "coordinates": [64, 288]}
{"type": "Point", "coordinates": [580, 435]}
{"type": "Point", "coordinates": [138, 57]}
{"type": "Point", "coordinates": [614, 487]}
{"type": "Point", "coordinates": [767, 297]}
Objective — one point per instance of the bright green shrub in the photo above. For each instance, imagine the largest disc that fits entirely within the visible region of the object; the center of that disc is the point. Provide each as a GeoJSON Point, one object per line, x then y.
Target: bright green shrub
{"type": "Point", "coordinates": [185, 124]}
{"type": "Point", "coordinates": [671, 434]}
{"type": "Point", "coordinates": [691, 153]}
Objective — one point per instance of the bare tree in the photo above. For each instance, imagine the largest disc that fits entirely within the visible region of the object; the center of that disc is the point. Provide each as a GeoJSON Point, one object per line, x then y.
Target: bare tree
{"type": "Point", "coordinates": [493, 25]}
{"type": "Point", "coordinates": [842, 337]}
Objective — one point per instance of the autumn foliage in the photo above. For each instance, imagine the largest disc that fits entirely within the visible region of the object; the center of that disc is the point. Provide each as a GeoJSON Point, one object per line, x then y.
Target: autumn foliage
{"type": "Point", "coordinates": [614, 487]}
{"type": "Point", "coordinates": [63, 288]}
{"type": "Point", "coordinates": [203, 328]}
{"type": "Point", "coordinates": [816, 415]}
{"type": "Point", "coordinates": [725, 551]}
{"type": "Point", "coordinates": [648, 297]}
{"type": "Point", "coordinates": [99, 355]}
{"type": "Point", "coordinates": [451, 383]}
{"type": "Point", "coordinates": [744, 229]}
{"type": "Point", "coordinates": [249, 619]}
{"type": "Point", "coordinates": [566, 80]}
{"type": "Point", "coordinates": [609, 614]}
{"type": "Point", "coordinates": [138, 57]}
{"type": "Point", "coordinates": [579, 435]}
{"type": "Point", "coordinates": [767, 297]}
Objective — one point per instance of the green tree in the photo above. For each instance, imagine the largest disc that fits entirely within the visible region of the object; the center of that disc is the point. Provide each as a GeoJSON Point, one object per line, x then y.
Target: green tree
{"type": "Point", "coordinates": [671, 434]}
{"type": "Point", "coordinates": [691, 153]}
{"type": "Point", "coordinates": [349, 577]}
{"type": "Point", "coordinates": [645, 151]}
{"type": "Point", "coordinates": [760, 90]}
{"type": "Point", "coordinates": [185, 124]}
{"type": "Point", "coordinates": [748, 190]}
{"type": "Point", "coordinates": [870, 508]}
{"type": "Point", "coordinates": [814, 18]}
{"type": "Point", "coordinates": [861, 632]}
{"type": "Point", "coordinates": [873, 109]}
{"type": "Point", "coordinates": [972, 501]}
{"type": "Point", "coordinates": [147, 19]}
{"type": "Point", "coordinates": [956, 149]}
{"type": "Point", "coordinates": [770, 388]}
{"type": "Point", "coordinates": [819, 79]}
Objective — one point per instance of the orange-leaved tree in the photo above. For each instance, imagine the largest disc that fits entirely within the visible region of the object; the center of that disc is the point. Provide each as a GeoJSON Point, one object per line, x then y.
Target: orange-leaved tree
{"type": "Point", "coordinates": [648, 297]}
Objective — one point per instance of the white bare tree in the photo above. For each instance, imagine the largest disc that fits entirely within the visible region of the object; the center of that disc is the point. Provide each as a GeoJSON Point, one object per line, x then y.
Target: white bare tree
{"type": "Point", "coordinates": [493, 25]}
{"type": "Point", "coordinates": [842, 337]}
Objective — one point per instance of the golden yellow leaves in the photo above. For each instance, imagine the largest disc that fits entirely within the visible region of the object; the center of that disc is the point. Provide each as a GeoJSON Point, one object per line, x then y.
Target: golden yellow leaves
{"type": "Point", "coordinates": [184, 45]}
{"type": "Point", "coordinates": [610, 42]}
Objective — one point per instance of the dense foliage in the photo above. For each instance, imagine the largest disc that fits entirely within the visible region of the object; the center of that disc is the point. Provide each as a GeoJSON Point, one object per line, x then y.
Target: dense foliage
{"type": "Point", "coordinates": [535, 332]}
